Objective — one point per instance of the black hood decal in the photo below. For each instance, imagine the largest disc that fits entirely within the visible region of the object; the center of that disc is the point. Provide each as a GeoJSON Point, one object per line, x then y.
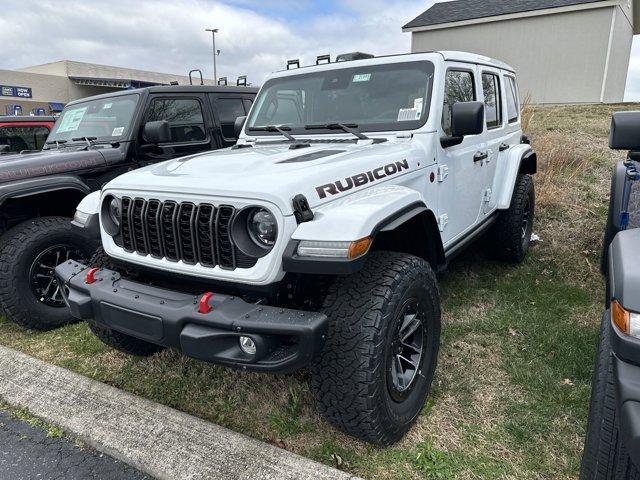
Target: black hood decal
{"type": "Point", "coordinates": [313, 156]}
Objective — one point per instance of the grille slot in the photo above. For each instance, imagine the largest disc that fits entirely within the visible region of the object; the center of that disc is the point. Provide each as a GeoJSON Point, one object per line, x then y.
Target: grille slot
{"type": "Point", "coordinates": [182, 232]}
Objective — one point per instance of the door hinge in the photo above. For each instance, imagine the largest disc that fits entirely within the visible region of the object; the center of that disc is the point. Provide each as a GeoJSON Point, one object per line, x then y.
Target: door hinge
{"type": "Point", "coordinates": [443, 220]}
{"type": "Point", "coordinates": [487, 195]}
{"type": "Point", "coordinates": [443, 172]}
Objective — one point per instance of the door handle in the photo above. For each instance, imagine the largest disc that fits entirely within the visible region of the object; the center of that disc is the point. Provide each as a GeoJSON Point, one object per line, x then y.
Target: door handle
{"type": "Point", "coordinates": [480, 156]}
{"type": "Point", "coordinates": [504, 147]}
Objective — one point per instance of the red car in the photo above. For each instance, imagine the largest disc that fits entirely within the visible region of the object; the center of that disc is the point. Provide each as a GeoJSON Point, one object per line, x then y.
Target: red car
{"type": "Point", "coordinates": [18, 133]}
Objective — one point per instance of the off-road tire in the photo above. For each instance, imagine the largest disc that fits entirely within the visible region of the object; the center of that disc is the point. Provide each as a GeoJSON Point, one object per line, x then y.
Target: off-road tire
{"type": "Point", "coordinates": [604, 457]}
{"type": "Point", "coordinates": [19, 248]}
{"type": "Point", "coordinates": [120, 341]}
{"type": "Point", "coordinates": [506, 237]}
{"type": "Point", "coordinates": [349, 378]}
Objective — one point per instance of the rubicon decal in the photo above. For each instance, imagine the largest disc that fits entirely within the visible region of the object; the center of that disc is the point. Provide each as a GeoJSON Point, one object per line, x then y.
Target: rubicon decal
{"type": "Point", "coordinates": [361, 179]}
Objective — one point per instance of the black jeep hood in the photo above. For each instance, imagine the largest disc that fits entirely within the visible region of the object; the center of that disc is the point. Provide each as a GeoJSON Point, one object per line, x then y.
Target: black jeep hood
{"type": "Point", "coordinates": [48, 162]}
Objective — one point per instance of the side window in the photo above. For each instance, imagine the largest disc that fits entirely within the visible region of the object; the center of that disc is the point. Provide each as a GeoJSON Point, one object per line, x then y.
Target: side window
{"type": "Point", "coordinates": [228, 110]}
{"type": "Point", "coordinates": [492, 100]}
{"type": "Point", "coordinates": [23, 138]}
{"type": "Point", "coordinates": [513, 109]}
{"type": "Point", "coordinates": [459, 86]}
{"type": "Point", "coordinates": [184, 116]}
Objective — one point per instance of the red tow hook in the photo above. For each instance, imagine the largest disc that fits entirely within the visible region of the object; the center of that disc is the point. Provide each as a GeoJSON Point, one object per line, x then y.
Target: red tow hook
{"type": "Point", "coordinates": [203, 305]}
{"type": "Point", "coordinates": [91, 276]}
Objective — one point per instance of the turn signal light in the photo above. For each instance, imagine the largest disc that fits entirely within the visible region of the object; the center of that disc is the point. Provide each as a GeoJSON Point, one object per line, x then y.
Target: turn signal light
{"type": "Point", "coordinates": [620, 317]}
{"type": "Point", "coordinates": [359, 247]}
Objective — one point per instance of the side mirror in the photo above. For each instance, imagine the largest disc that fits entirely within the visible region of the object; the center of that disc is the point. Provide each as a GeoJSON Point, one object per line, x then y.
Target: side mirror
{"type": "Point", "coordinates": [4, 149]}
{"type": "Point", "coordinates": [467, 118]}
{"type": "Point", "coordinates": [238, 125]}
{"type": "Point", "coordinates": [625, 131]}
{"type": "Point", "coordinates": [157, 132]}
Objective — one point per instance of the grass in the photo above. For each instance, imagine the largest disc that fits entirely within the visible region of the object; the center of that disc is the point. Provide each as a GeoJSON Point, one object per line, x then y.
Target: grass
{"type": "Point", "coordinates": [511, 392]}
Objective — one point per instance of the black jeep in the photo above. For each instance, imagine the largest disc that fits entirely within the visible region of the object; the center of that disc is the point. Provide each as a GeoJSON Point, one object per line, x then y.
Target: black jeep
{"type": "Point", "coordinates": [612, 447]}
{"type": "Point", "coordinates": [93, 141]}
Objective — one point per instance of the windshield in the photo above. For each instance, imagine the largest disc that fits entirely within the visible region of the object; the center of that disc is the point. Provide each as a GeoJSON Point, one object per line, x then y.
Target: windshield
{"type": "Point", "coordinates": [386, 97]}
{"type": "Point", "coordinates": [107, 119]}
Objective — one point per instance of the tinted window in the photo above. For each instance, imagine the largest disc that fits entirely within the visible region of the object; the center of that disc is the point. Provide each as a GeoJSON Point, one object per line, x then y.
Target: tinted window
{"type": "Point", "coordinates": [492, 100]}
{"type": "Point", "coordinates": [513, 110]}
{"type": "Point", "coordinates": [23, 138]}
{"type": "Point", "coordinates": [184, 115]}
{"type": "Point", "coordinates": [458, 87]}
{"type": "Point", "coordinates": [228, 110]}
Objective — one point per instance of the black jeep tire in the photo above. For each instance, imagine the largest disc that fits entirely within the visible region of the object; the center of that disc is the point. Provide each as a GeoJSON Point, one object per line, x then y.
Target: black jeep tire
{"type": "Point", "coordinates": [353, 377]}
{"type": "Point", "coordinates": [29, 292]}
{"type": "Point", "coordinates": [604, 457]}
{"type": "Point", "coordinates": [510, 236]}
{"type": "Point", "coordinates": [114, 339]}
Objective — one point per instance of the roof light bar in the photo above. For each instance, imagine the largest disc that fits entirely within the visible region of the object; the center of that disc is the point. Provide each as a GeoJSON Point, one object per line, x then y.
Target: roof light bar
{"type": "Point", "coordinates": [242, 81]}
{"type": "Point", "coordinates": [291, 63]}
{"type": "Point", "coordinates": [222, 81]}
{"type": "Point", "coordinates": [323, 59]}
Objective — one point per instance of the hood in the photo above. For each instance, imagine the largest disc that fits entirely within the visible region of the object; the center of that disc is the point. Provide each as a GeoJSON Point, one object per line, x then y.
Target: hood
{"type": "Point", "coordinates": [322, 172]}
{"type": "Point", "coordinates": [48, 162]}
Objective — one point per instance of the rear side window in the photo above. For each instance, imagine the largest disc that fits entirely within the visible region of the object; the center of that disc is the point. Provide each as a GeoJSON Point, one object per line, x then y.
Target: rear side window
{"type": "Point", "coordinates": [228, 110]}
{"type": "Point", "coordinates": [459, 87]}
{"type": "Point", "coordinates": [184, 115]}
{"type": "Point", "coordinates": [492, 100]}
{"type": "Point", "coordinates": [23, 138]}
{"type": "Point", "coordinates": [513, 109]}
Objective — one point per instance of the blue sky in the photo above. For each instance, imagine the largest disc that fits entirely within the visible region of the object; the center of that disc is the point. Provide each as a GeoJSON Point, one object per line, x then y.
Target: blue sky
{"type": "Point", "coordinates": [256, 37]}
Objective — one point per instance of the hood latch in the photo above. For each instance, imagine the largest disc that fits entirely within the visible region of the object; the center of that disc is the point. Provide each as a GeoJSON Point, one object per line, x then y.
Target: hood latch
{"type": "Point", "coordinates": [301, 209]}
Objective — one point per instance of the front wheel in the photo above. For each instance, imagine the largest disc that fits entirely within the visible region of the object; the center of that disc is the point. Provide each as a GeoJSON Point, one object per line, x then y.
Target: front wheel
{"type": "Point", "coordinates": [29, 291]}
{"type": "Point", "coordinates": [375, 371]}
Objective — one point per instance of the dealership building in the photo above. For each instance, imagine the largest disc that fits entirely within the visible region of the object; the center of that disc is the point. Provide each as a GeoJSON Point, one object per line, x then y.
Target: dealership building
{"type": "Point", "coordinates": [45, 89]}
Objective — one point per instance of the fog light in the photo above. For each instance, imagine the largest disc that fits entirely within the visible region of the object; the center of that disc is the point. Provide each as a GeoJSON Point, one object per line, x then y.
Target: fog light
{"type": "Point", "coordinates": [247, 345]}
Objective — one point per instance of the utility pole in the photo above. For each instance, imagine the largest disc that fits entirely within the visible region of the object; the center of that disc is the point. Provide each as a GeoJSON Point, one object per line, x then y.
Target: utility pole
{"type": "Point", "coordinates": [215, 53]}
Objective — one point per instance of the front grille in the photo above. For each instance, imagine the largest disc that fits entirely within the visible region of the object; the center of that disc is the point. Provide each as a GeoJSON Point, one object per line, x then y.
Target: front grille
{"type": "Point", "coordinates": [182, 231]}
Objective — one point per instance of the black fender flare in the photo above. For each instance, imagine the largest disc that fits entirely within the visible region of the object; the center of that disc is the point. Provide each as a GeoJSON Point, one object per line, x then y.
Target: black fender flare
{"type": "Point", "coordinates": [529, 163]}
{"type": "Point", "coordinates": [35, 186]}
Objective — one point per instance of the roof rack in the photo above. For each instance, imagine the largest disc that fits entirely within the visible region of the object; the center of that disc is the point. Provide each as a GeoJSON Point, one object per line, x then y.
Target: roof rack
{"type": "Point", "coordinates": [291, 63]}
{"type": "Point", "coordinates": [191, 79]}
{"type": "Point", "coordinates": [323, 58]}
{"type": "Point", "coordinates": [242, 81]}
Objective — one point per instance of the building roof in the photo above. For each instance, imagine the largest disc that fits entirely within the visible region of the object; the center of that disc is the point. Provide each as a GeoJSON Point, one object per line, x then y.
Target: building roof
{"type": "Point", "coordinates": [463, 10]}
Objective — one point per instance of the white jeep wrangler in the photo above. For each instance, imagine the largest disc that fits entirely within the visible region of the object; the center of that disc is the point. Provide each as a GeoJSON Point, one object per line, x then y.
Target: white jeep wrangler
{"type": "Point", "coordinates": [315, 241]}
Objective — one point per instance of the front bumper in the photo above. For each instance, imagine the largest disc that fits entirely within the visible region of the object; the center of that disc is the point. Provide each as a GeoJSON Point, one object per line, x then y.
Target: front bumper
{"type": "Point", "coordinates": [286, 340]}
{"type": "Point", "coordinates": [627, 385]}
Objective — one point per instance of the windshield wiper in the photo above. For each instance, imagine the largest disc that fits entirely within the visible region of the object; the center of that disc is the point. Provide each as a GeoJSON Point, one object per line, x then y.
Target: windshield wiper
{"type": "Point", "coordinates": [274, 128]}
{"type": "Point", "coordinates": [56, 142]}
{"type": "Point", "coordinates": [349, 128]}
{"type": "Point", "coordinates": [89, 140]}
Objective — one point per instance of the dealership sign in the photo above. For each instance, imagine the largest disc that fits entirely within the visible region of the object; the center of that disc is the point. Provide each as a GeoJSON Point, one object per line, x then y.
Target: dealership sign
{"type": "Point", "coordinates": [22, 92]}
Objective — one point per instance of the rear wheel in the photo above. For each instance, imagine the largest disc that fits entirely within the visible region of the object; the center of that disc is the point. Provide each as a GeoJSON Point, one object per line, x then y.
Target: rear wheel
{"type": "Point", "coordinates": [375, 371]}
{"type": "Point", "coordinates": [29, 291]}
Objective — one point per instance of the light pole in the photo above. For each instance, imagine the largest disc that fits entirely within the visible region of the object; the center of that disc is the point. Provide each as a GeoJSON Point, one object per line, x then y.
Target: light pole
{"type": "Point", "coordinates": [215, 71]}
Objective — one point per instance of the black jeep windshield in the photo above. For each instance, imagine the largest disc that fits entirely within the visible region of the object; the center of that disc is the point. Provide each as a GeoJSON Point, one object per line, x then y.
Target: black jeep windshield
{"type": "Point", "coordinates": [107, 119]}
{"type": "Point", "coordinates": [373, 98]}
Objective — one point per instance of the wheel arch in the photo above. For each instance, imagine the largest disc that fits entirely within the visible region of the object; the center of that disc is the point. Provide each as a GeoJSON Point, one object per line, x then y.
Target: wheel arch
{"type": "Point", "coordinates": [522, 160]}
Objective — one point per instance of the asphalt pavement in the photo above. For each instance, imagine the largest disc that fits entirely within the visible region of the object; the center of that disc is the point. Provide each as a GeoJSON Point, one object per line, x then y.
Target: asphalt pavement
{"type": "Point", "coordinates": [27, 453]}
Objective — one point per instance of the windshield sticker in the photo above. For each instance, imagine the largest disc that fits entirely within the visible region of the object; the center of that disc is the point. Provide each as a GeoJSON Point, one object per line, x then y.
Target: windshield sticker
{"type": "Point", "coordinates": [409, 114]}
{"type": "Point", "coordinates": [417, 103]}
{"type": "Point", "coordinates": [117, 131]}
{"type": "Point", "coordinates": [107, 106]}
{"type": "Point", "coordinates": [362, 77]}
{"type": "Point", "coordinates": [71, 120]}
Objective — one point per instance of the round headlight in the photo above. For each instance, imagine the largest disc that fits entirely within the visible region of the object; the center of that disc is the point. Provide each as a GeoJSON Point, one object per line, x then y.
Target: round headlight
{"type": "Point", "coordinates": [115, 211]}
{"type": "Point", "coordinates": [262, 227]}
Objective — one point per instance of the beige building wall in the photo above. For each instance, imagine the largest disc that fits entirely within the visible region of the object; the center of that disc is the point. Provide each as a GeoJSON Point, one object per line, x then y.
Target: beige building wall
{"type": "Point", "coordinates": [560, 58]}
{"type": "Point", "coordinates": [45, 89]}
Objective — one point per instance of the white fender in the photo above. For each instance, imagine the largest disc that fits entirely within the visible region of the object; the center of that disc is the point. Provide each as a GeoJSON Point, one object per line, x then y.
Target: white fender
{"type": "Point", "coordinates": [90, 204]}
{"type": "Point", "coordinates": [358, 215]}
{"type": "Point", "coordinates": [506, 178]}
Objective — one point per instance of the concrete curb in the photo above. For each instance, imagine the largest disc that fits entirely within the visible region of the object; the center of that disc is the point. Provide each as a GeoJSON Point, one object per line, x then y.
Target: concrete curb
{"type": "Point", "coordinates": [158, 440]}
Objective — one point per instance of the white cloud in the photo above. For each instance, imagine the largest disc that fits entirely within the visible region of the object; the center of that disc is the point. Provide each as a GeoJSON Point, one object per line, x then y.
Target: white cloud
{"type": "Point", "coordinates": [169, 36]}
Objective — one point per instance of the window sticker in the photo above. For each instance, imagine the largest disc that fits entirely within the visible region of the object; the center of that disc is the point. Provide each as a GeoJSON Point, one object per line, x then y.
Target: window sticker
{"type": "Point", "coordinates": [409, 114]}
{"type": "Point", "coordinates": [117, 131]}
{"type": "Point", "coordinates": [71, 120]}
{"type": "Point", "coordinates": [417, 103]}
{"type": "Point", "coordinates": [107, 106]}
{"type": "Point", "coordinates": [362, 77]}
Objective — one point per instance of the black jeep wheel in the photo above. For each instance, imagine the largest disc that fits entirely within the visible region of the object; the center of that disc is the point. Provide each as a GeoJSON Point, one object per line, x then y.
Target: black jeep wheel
{"type": "Point", "coordinates": [29, 292]}
{"type": "Point", "coordinates": [114, 339]}
{"type": "Point", "coordinates": [510, 236]}
{"type": "Point", "coordinates": [375, 371]}
{"type": "Point", "coordinates": [604, 457]}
